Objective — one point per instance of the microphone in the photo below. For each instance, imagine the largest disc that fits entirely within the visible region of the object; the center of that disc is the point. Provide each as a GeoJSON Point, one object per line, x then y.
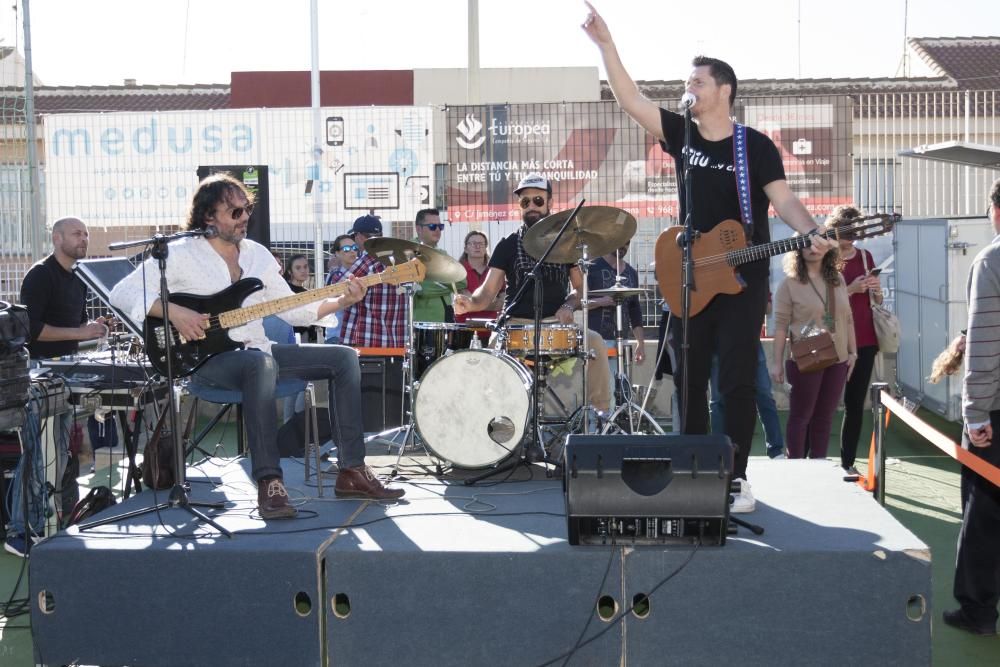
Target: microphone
{"type": "Point", "coordinates": [688, 100]}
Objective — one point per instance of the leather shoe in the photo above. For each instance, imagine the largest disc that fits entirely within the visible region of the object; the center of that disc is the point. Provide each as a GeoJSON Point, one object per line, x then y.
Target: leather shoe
{"type": "Point", "coordinates": [361, 482]}
{"type": "Point", "coordinates": [272, 499]}
{"type": "Point", "coordinates": [959, 619]}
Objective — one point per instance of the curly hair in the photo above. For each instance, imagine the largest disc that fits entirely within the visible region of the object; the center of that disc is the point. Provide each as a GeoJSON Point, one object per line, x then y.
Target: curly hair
{"type": "Point", "coordinates": [212, 190]}
{"type": "Point", "coordinates": [794, 265]}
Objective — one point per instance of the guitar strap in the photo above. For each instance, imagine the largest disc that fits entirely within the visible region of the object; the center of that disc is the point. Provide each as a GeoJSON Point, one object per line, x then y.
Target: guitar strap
{"type": "Point", "coordinates": [741, 168]}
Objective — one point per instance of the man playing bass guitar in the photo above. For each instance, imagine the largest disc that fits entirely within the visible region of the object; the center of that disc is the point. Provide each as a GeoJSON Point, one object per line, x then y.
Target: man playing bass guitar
{"type": "Point", "coordinates": [212, 263]}
{"type": "Point", "coordinates": [731, 323]}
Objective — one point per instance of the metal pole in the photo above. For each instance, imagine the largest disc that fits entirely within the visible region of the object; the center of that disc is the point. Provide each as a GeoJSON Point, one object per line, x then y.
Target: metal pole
{"type": "Point", "coordinates": [319, 258]}
{"type": "Point", "coordinates": [472, 70]}
{"type": "Point", "coordinates": [878, 421]}
{"type": "Point", "coordinates": [34, 224]}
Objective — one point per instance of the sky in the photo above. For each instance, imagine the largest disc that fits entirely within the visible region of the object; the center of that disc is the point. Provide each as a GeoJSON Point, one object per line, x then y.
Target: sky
{"type": "Point", "coordinates": [103, 42]}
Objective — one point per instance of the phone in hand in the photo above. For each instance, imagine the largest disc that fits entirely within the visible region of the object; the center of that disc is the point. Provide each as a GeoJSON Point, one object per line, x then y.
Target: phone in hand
{"type": "Point", "coordinates": [875, 272]}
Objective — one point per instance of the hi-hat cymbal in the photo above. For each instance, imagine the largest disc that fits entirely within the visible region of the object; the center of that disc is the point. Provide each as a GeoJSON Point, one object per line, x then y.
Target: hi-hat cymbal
{"type": "Point", "coordinates": [616, 292]}
{"type": "Point", "coordinates": [601, 228]}
{"type": "Point", "coordinates": [441, 267]}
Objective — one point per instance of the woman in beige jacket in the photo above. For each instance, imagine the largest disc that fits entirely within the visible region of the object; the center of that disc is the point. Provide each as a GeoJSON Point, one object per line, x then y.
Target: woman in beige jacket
{"type": "Point", "coordinates": [803, 301]}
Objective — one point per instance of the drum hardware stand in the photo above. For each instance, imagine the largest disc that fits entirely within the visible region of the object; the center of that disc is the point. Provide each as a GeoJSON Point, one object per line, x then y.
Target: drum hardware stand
{"type": "Point", "coordinates": [409, 389]}
{"type": "Point", "coordinates": [623, 387]}
{"type": "Point", "coordinates": [178, 497]}
{"type": "Point", "coordinates": [534, 278]}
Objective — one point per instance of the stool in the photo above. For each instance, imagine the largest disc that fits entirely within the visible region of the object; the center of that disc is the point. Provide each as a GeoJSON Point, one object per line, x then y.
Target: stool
{"type": "Point", "coordinates": [228, 398]}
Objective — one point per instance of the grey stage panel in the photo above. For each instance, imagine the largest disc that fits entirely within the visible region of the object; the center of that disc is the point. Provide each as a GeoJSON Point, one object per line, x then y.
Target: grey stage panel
{"type": "Point", "coordinates": [467, 589]}
{"type": "Point", "coordinates": [124, 597]}
{"type": "Point", "coordinates": [834, 572]}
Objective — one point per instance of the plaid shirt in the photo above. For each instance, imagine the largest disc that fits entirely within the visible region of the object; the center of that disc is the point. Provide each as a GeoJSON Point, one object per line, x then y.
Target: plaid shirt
{"type": "Point", "coordinates": [378, 320]}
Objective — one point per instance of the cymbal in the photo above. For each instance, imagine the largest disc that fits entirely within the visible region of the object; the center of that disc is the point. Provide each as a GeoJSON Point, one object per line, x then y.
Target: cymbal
{"type": "Point", "coordinates": [441, 267]}
{"type": "Point", "coordinates": [602, 228]}
{"type": "Point", "coordinates": [616, 292]}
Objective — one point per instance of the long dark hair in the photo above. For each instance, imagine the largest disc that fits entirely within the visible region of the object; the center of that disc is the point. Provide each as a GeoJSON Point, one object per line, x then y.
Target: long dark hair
{"type": "Point", "coordinates": [212, 190]}
{"type": "Point", "coordinates": [289, 262]}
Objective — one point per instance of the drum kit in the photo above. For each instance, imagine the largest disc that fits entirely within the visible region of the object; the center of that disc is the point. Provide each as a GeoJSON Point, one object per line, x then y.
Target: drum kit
{"type": "Point", "coordinates": [474, 407]}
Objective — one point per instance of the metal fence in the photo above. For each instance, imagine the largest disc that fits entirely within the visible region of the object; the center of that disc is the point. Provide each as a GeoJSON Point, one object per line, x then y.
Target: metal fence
{"type": "Point", "coordinates": [132, 174]}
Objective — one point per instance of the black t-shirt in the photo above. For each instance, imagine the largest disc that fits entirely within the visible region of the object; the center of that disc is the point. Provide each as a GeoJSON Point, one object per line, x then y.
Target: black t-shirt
{"type": "Point", "coordinates": [714, 180]}
{"type": "Point", "coordinates": [56, 297]}
{"type": "Point", "coordinates": [555, 283]}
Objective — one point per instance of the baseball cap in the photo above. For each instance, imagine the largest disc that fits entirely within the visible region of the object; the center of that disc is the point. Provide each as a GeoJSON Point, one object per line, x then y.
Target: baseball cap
{"type": "Point", "coordinates": [533, 181]}
{"type": "Point", "coordinates": [367, 224]}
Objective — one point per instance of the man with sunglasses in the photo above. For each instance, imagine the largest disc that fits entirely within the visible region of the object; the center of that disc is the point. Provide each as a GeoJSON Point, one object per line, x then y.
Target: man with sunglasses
{"type": "Point", "coordinates": [510, 263]}
{"type": "Point", "coordinates": [208, 264]}
{"type": "Point", "coordinates": [378, 320]}
{"type": "Point", "coordinates": [432, 302]}
{"type": "Point", "coordinates": [730, 324]}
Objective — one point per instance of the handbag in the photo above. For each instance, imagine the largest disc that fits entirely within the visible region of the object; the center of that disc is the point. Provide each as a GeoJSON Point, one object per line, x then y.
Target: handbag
{"type": "Point", "coordinates": [816, 352]}
{"type": "Point", "coordinates": [886, 323]}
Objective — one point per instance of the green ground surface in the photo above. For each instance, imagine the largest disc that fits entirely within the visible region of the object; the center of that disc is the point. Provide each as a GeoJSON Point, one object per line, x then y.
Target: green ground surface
{"type": "Point", "coordinates": [922, 492]}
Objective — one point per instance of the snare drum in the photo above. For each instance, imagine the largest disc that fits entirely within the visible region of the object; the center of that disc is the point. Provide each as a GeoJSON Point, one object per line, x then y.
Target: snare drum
{"type": "Point", "coordinates": [432, 340]}
{"type": "Point", "coordinates": [472, 407]}
{"type": "Point", "coordinates": [557, 340]}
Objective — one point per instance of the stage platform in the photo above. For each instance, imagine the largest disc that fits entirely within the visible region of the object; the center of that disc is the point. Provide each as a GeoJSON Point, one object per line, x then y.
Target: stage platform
{"type": "Point", "coordinates": [482, 575]}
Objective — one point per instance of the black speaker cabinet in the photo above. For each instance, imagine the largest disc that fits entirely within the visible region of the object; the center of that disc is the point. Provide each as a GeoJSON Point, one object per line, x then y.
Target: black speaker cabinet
{"type": "Point", "coordinates": [648, 489]}
{"type": "Point", "coordinates": [381, 392]}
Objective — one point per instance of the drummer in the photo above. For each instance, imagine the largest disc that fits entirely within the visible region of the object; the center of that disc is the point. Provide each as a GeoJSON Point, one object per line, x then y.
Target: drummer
{"type": "Point", "coordinates": [432, 302]}
{"type": "Point", "coordinates": [511, 262]}
{"type": "Point", "coordinates": [601, 316]}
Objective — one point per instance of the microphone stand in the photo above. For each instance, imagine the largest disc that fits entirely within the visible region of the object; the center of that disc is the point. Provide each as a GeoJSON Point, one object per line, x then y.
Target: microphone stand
{"type": "Point", "coordinates": [179, 493]}
{"type": "Point", "coordinates": [534, 277]}
{"type": "Point", "coordinates": [687, 240]}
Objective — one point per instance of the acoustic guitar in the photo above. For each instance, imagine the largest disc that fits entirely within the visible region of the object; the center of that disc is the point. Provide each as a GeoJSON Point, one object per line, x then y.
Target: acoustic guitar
{"type": "Point", "coordinates": [718, 252]}
{"type": "Point", "coordinates": [225, 311]}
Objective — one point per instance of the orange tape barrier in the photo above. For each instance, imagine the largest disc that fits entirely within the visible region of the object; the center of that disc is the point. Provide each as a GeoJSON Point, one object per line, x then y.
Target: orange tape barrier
{"type": "Point", "coordinates": [939, 440]}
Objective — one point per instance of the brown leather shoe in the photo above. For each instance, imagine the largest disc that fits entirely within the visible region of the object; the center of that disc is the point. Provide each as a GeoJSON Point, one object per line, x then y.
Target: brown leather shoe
{"type": "Point", "coordinates": [361, 482]}
{"type": "Point", "coordinates": [272, 499]}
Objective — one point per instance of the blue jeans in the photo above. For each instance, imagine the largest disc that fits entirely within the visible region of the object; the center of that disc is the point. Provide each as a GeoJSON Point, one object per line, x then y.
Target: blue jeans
{"type": "Point", "coordinates": [255, 373]}
{"type": "Point", "coordinates": [33, 457]}
{"type": "Point", "coordinates": [767, 410]}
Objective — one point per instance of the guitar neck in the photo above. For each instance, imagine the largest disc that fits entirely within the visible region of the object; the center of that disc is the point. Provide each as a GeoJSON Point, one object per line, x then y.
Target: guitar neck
{"type": "Point", "coordinates": [241, 316]}
{"type": "Point", "coordinates": [755, 252]}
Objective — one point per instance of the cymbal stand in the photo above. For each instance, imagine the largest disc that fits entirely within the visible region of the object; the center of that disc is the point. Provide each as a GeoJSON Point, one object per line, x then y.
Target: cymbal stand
{"type": "Point", "coordinates": [409, 390]}
{"type": "Point", "coordinates": [623, 386]}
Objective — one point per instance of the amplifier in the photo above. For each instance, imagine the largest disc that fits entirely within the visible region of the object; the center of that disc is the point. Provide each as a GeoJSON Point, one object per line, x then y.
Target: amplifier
{"type": "Point", "coordinates": [14, 380]}
{"type": "Point", "coordinates": [637, 489]}
{"type": "Point", "coordinates": [381, 392]}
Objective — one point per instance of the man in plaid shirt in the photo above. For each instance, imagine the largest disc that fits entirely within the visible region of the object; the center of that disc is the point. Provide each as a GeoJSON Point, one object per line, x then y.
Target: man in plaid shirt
{"type": "Point", "coordinates": [378, 320]}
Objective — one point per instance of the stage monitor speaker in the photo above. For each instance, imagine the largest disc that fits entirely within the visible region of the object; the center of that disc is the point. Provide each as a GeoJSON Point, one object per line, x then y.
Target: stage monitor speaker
{"type": "Point", "coordinates": [655, 489]}
{"type": "Point", "coordinates": [381, 392]}
{"type": "Point", "coordinates": [254, 177]}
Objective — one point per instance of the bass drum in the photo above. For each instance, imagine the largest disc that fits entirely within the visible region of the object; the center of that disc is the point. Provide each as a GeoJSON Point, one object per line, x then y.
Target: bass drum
{"type": "Point", "coordinates": [472, 407]}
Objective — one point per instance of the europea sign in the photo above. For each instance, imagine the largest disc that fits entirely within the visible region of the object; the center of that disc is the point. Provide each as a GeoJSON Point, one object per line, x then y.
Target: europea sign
{"type": "Point", "coordinates": [151, 137]}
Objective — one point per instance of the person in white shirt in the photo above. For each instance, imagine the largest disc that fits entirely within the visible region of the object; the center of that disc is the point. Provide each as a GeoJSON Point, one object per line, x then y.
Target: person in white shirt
{"type": "Point", "coordinates": [207, 265]}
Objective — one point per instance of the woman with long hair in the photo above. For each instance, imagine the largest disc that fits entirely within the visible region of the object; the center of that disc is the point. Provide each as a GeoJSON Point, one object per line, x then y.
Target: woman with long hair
{"type": "Point", "coordinates": [863, 288]}
{"type": "Point", "coordinates": [297, 272]}
{"type": "Point", "coordinates": [813, 295]}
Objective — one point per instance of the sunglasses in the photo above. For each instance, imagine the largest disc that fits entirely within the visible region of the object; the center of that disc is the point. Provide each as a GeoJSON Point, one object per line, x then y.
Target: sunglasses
{"type": "Point", "coordinates": [537, 200]}
{"type": "Point", "coordinates": [434, 226]}
{"type": "Point", "coordinates": [348, 248]}
{"type": "Point", "coordinates": [237, 211]}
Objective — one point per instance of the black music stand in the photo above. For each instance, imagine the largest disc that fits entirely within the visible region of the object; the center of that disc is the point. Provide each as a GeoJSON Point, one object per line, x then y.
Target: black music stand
{"type": "Point", "coordinates": [179, 493]}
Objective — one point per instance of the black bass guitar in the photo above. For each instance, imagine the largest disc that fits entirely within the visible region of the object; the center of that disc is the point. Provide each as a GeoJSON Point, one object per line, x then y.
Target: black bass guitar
{"type": "Point", "coordinates": [225, 313]}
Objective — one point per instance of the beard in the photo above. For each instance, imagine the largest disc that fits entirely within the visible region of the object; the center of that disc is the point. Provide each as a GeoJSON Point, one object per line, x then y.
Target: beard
{"type": "Point", "coordinates": [532, 216]}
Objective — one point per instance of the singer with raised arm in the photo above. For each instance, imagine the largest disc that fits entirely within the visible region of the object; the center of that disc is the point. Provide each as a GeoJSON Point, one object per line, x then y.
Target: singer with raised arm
{"type": "Point", "coordinates": [217, 259]}
{"type": "Point", "coordinates": [730, 323]}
